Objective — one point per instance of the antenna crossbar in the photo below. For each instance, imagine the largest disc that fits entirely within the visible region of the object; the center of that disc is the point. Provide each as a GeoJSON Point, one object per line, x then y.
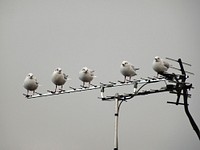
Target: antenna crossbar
{"type": "Point", "coordinates": [177, 61]}
{"type": "Point", "coordinates": [101, 86]}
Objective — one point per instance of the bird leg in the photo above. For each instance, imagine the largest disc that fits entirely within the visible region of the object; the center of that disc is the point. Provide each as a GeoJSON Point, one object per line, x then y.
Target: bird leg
{"type": "Point", "coordinates": [89, 84]}
{"type": "Point", "coordinates": [83, 84]}
{"type": "Point", "coordinates": [61, 90]}
{"type": "Point", "coordinates": [124, 79]}
{"type": "Point", "coordinates": [27, 92]}
{"type": "Point", "coordinates": [33, 92]}
{"type": "Point", "coordinates": [55, 88]}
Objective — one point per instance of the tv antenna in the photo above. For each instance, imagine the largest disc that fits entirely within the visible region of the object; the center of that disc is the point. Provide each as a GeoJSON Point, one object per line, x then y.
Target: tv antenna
{"type": "Point", "coordinates": [174, 84]}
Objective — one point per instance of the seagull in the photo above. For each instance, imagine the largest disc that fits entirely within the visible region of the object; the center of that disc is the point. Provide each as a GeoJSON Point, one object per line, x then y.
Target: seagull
{"type": "Point", "coordinates": [127, 70]}
{"type": "Point", "coordinates": [159, 65]}
{"type": "Point", "coordinates": [86, 75]}
{"type": "Point", "coordinates": [30, 83]}
{"type": "Point", "coordinates": [59, 78]}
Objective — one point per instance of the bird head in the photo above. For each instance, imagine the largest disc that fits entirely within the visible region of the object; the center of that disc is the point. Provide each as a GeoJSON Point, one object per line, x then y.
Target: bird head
{"type": "Point", "coordinates": [59, 70]}
{"type": "Point", "coordinates": [157, 58]}
{"type": "Point", "coordinates": [30, 76]}
{"type": "Point", "coordinates": [124, 63]}
{"type": "Point", "coordinates": [85, 69]}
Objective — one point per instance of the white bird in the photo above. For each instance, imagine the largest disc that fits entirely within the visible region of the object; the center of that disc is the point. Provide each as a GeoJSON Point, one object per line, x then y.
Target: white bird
{"type": "Point", "coordinates": [159, 65]}
{"type": "Point", "coordinates": [59, 78]}
{"type": "Point", "coordinates": [86, 75]}
{"type": "Point", "coordinates": [128, 70]}
{"type": "Point", "coordinates": [30, 83]}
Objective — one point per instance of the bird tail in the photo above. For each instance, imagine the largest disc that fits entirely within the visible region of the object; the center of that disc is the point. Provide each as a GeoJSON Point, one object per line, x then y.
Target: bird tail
{"type": "Point", "coordinates": [137, 68]}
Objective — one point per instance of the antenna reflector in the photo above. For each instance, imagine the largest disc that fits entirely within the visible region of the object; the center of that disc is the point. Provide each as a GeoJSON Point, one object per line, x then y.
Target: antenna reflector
{"type": "Point", "coordinates": [177, 61]}
{"type": "Point", "coordinates": [180, 70]}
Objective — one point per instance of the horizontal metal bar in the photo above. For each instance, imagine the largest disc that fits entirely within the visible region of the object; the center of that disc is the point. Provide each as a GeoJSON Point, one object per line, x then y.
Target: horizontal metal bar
{"type": "Point", "coordinates": [176, 103]}
{"type": "Point", "coordinates": [82, 89]}
{"type": "Point", "coordinates": [180, 70]}
{"type": "Point", "coordinates": [131, 95]}
{"type": "Point", "coordinates": [174, 92]}
{"type": "Point", "coordinates": [177, 61]}
{"type": "Point", "coordinates": [74, 90]}
{"type": "Point", "coordinates": [151, 92]}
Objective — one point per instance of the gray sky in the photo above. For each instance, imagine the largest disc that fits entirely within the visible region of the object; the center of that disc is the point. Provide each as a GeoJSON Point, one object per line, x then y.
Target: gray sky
{"type": "Point", "coordinates": [39, 35]}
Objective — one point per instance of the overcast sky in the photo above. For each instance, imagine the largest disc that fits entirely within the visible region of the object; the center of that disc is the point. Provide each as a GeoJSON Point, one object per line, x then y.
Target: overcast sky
{"type": "Point", "coordinates": [39, 35]}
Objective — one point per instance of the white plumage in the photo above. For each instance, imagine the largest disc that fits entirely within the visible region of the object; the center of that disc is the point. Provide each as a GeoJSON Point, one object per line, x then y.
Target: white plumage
{"type": "Point", "coordinates": [86, 75]}
{"type": "Point", "coordinates": [30, 83]}
{"type": "Point", "coordinates": [59, 78]}
{"type": "Point", "coordinates": [127, 70]}
{"type": "Point", "coordinates": [159, 65]}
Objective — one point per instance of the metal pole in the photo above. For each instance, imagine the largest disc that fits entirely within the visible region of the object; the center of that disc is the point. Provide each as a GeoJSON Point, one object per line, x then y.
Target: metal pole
{"type": "Point", "coordinates": [116, 121]}
{"type": "Point", "coordinates": [195, 127]}
{"type": "Point", "coordinates": [185, 98]}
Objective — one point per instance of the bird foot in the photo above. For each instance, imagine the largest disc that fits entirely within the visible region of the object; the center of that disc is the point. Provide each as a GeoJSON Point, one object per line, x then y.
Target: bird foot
{"type": "Point", "coordinates": [127, 81]}
{"type": "Point", "coordinates": [38, 93]}
{"type": "Point", "coordinates": [122, 82]}
{"type": "Point", "coordinates": [61, 90]}
{"type": "Point", "coordinates": [53, 92]}
{"type": "Point", "coordinates": [93, 85]}
{"type": "Point", "coordinates": [83, 86]}
{"type": "Point", "coordinates": [27, 96]}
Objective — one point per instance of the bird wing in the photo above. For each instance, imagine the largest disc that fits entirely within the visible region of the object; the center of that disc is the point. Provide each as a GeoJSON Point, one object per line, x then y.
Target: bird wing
{"type": "Point", "coordinates": [134, 67]}
{"type": "Point", "coordinates": [36, 82]}
{"type": "Point", "coordinates": [65, 76]}
{"type": "Point", "coordinates": [166, 64]}
{"type": "Point", "coordinates": [91, 72]}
